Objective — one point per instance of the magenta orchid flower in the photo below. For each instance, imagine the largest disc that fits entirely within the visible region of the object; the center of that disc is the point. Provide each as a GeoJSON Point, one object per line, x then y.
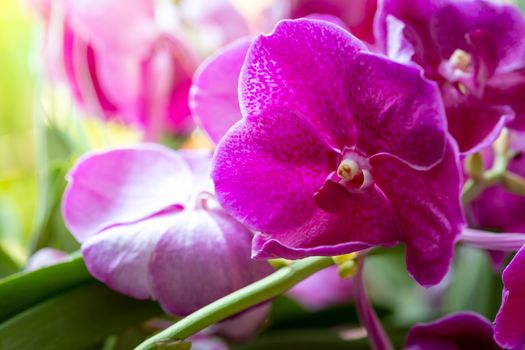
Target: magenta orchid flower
{"type": "Point", "coordinates": [214, 98]}
{"type": "Point", "coordinates": [460, 331]}
{"type": "Point", "coordinates": [314, 166]}
{"type": "Point", "coordinates": [150, 229]}
{"type": "Point", "coordinates": [474, 50]}
{"type": "Point", "coordinates": [509, 329]}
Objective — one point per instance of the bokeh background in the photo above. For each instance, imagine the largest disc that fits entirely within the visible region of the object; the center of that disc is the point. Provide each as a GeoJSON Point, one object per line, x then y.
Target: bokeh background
{"type": "Point", "coordinates": [42, 132]}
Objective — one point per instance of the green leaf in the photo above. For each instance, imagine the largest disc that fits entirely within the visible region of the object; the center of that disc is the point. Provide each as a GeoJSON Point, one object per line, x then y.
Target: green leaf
{"type": "Point", "coordinates": [7, 263]}
{"type": "Point", "coordinates": [49, 228]}
{"type": "Point", "coordinates": [390, 286]}
{"type": "Point", "coordinates": [287, 314]}
{"type": "Point", "coordinates": [76, 319]}
{"type": "Point", "coordinates": [25, 289]}
{"type": "Point", "coordinates": [313, 339]}
{"type": "Point", "coordinates": [472, 283]}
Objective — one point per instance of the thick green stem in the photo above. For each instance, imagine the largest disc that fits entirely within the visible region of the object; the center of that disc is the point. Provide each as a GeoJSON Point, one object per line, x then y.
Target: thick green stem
{"type": "Point", "coordinates": [251, 295]}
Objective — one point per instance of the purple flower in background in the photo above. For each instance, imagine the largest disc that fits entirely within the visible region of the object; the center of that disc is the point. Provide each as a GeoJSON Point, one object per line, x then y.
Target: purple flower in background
{"type": "Point", "coordinates": [242, 326]}
{"type": "Point", "coordinates": [460, 331]}
{"type": "Point", "coordinates": [323, 290]}
{"type": "Point", "coordinates": [203, 342]}
{"type": "Point", "coordinates": [338, 150]}
{"type": "Point", "coordinates": [149, 228]}
{"type": "Point", "coordinates": [214, 98]}
{"type": "Point", "coordinates": [509, 329]}
{"type": "Point", "coordinates": [139, 74]}
{"type": "Point", "coordinates": [474, 50]}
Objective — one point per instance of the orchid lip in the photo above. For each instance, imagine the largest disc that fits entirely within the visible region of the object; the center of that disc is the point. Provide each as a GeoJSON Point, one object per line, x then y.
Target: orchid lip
{"type": "Point", "coordinates": [348, 169]}
{"type": "Point", "coordinates": [458, 68]}
{"type": "Point", "coordinates": [460, 60]}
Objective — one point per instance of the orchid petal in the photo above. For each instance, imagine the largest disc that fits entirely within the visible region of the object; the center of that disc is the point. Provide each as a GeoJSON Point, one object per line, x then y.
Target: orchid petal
{"type": "Point", "coordinates": [302, 67]}
{"type": "Point", "coordinates": [120, 256]}
{"type": "Point", "coordinates": [202, 246]}
{"type": "Point", "coordinates": [407, 119]}
{"type": "Point", "coordinates": [123, 186]}
{"type": "Point", "coordinates": [214, 97]}
{"type": "Point", "coordinates": [428, 208]}
{"type": "Point", "coordinates": [267, 169]}
{"type": "Point", "coordinates": [509, 329]}
{"type": "Point", "coordinates": [464, 330]}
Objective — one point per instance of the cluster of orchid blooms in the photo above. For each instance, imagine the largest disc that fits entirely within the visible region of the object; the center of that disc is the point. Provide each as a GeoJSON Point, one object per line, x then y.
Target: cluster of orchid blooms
{"type": "Point", "coordinates": [347, 125]}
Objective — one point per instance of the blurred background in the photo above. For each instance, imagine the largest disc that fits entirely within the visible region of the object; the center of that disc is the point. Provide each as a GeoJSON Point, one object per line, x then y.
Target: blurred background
{"type": "Point", "coordinates": [41, 134]}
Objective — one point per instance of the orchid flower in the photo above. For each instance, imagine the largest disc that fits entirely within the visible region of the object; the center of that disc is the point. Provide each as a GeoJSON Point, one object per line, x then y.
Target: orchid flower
{"type": "Point", "coordinates": [474, 50]}
{"type": "Point", "coordinates": [313, 165]}
{"type": "Point", "coordinates": [150, 228]}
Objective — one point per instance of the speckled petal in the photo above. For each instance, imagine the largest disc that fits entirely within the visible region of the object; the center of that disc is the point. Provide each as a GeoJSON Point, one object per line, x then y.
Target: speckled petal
{"type": "Point", "coordinates": [357, 224]}
{"type": "Point", "coordinates": [268, 167]}
{"type": "Point", "coordinates": [428, 209]}
{"type": "Point", "coordinates": [406, 119]}
{"type": "Point", "coordinates": [302, 66]}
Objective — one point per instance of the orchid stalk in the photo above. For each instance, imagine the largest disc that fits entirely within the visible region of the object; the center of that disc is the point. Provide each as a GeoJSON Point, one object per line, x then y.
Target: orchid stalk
{"type": "Point", "coordinates": [481, 178]}
{"type": "Point", "coordinates": [376, 334]}
{"type": "Point", "coordinates": [249, 296]}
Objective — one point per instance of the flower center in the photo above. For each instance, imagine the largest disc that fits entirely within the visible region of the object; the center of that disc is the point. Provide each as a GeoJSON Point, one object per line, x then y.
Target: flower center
{"type": "Point", "coordinates": [460, 60]}
{"type": "Point", "coordinates": [354, 172]}
{"type": "Point", "coordinates": [348, 169]}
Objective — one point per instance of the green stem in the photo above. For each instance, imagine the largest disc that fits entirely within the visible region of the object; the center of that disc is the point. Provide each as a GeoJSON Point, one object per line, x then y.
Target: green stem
{"type": "Point", "coordinates": [479, 180]}
{"type": "Point", "coordinates": [251, 295]}
{"type": "Point", "coordinates": [473, 188]}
